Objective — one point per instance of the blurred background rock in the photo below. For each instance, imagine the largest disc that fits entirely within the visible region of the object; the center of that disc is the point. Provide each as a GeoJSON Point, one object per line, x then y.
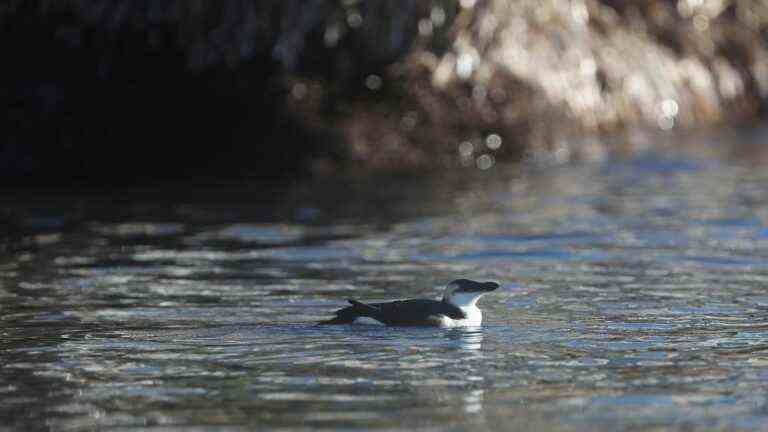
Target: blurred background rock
{"type": "Point", "coordinates": [120, 91]}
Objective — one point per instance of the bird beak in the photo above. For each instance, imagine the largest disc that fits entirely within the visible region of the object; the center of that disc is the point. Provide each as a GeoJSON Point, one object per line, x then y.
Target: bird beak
{"type": "Point", "coordinates": [483, 287]}
{"type": "Point", "coordinates": [489, 286]}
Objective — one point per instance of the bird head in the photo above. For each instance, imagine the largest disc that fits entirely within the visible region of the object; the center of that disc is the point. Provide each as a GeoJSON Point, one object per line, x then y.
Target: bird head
{"type": "Point", "coordinates": [465, 292]}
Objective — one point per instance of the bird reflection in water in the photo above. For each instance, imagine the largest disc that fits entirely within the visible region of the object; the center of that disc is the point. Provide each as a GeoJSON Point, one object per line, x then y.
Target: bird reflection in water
{"type": "Point", "coordinates": [469, 341]}
{"type": "Point", "coordinates": [473, 401]}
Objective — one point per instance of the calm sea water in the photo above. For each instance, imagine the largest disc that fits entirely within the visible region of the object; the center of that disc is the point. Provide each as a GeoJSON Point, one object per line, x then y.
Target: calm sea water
{"type": "Point", "coordinates": [634, 297]}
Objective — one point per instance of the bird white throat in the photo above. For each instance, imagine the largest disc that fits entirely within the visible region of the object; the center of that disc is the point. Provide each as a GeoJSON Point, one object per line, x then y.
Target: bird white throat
{"type": "Point", "coordinates": [467, 302]}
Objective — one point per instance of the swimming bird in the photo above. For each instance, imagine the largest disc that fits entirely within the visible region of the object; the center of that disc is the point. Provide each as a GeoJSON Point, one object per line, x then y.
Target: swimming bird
{"type": "Point", "coordinates": [458, 308]}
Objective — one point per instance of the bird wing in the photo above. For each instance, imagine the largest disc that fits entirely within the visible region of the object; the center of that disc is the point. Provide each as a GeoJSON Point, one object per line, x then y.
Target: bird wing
{"type": "Point", "coordinates": [407, 312]}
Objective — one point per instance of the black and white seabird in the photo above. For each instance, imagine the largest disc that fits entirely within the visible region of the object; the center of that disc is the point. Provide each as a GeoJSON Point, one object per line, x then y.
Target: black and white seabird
{"type": "Point", "coordinates": [458, 308]}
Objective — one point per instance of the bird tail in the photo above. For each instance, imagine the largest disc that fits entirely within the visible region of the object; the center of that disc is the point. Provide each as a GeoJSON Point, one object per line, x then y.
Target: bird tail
{"type": "Point", "coordinates": [349, 314]}
{"type": "Point", "coordinates": [363, 309]}
{"type": "Point", "coordinates": [336, 320]}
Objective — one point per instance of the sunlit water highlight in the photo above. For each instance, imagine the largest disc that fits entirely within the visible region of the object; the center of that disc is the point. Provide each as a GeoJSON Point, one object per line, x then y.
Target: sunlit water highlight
{"type": "Point", "coordinates": [633, 297]}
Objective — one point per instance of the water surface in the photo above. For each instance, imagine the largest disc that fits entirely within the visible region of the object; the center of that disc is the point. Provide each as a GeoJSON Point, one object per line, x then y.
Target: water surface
{"type": "Point", "coordinates": [633, 297]}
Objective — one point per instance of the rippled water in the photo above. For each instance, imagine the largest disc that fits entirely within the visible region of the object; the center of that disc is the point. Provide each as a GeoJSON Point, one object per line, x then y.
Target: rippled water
{"type": "Point", "coordinates": [634, 297]}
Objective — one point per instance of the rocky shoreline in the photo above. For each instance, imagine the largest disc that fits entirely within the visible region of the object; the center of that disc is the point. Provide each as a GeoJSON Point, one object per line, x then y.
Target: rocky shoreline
{"type": "Point", "coordinates": [120, 91]}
